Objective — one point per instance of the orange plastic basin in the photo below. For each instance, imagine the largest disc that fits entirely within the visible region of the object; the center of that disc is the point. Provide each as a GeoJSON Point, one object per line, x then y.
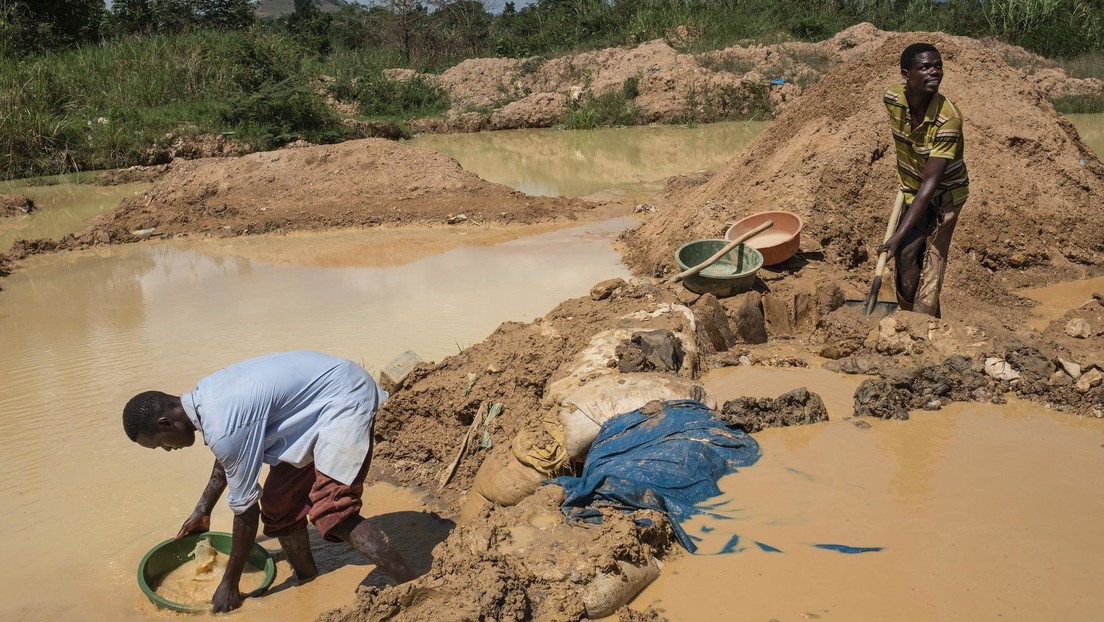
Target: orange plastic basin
{"type": "Point", "coordinates": [776, 244]}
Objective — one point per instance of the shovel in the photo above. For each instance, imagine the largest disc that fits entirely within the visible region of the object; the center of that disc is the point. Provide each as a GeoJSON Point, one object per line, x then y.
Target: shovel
{"type": "Point", "coordinates": [721, 253]}
{"type": "Point", "coordinates": [871, 303]}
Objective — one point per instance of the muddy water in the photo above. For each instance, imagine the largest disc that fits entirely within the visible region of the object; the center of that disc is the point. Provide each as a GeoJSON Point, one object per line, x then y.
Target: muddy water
{"type": "Point", "coordinates": [82, 332]}
{"type": "Point", "coordinates": [550, 162]}
{"type": "Point", "coordinates": [1091, 129]}
{"type": "Point", "coordinates": [62, 208]}
{"type": "Point", "coordinates": [1056, 300]}
{"type": "Point", "coordinates": [981, 512]}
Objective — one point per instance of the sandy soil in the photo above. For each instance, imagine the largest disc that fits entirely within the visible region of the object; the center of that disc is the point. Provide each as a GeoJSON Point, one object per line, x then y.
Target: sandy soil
{"type": "Point", "coordinates": [1030, 220]}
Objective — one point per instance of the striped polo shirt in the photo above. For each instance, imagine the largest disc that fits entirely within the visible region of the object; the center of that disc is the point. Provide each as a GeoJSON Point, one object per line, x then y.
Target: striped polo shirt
{"type": "Point", "coordinates": [939, 136]}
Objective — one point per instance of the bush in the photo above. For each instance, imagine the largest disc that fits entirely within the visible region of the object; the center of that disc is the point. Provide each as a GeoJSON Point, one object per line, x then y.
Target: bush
{"type": "Point", "coordinates": [283, 112]}
{"type": "Point", "coordinates": [417, 97]}
{"type": "Point", "coordinates": [607, 110]}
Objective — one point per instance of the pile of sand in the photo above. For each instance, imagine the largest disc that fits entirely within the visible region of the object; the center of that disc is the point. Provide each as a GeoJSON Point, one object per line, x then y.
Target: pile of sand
{"type": "Point", "coordinates": [675, 85]}
{"type": "Point", "coordinates": [353, 184]}
{"type": "Point", "coordinates": [1031, 218]}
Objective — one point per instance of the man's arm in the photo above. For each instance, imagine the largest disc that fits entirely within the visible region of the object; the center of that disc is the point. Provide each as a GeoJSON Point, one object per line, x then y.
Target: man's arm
{"type": "Point", "coordinates": [200, 520]}
{"type": "Point", "coordinates": [228, 596]}
{"type": "Point", "coordinates": [933, 174]}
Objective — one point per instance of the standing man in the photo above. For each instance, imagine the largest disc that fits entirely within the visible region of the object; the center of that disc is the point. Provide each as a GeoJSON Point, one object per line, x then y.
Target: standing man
{"type": "Point", "coordinates": [927, 131]}
{"type": "Point", "coordinates": [309, 417]}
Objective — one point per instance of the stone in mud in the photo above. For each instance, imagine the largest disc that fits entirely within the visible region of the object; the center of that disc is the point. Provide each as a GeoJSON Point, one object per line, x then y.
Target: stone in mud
{"type": "Point", "coordinates": [713, 323]}
{"type": "Point", "coordinates": [882, 399]}
{"type": "Point", "coordinates": [1089, 380]}
{"type": "Point", "coordinates": [853, 365]}
{"type": "Point", "coordinates": [797, 407]}
{"type": "Point", "coordinates": [806, 314]}
{"type": "Point", "coordinates": [747, 315]}
{"type": "Point", "coordinates": [777, 316]}
{"type": "Point", "coordinates": [900, 333]}
{"type": "Point", "coordinates": [606, 288]}
{"type": "Point", "coordinates": [1071, 368]}
{"type": "Point", "coordinates": [1060, 379]}
{"type": "Point", "coordinates": [652, 350]}
{"type": "Point", "coordinates": [1078, 328]}
{"type": "Point", "coordinates": [999, 369]}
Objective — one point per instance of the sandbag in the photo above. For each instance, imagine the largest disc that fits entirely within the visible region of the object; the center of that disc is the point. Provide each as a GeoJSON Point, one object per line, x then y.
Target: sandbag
{"type": "Point", "coordinates": [583, 412]}
{"type": "Point", "coordinates": [503, 480]}
{"type": "Point", "coordinates": [608, 592]}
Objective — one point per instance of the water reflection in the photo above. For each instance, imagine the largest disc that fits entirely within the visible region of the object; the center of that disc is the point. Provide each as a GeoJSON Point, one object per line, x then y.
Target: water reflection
{"type": "Point", "coordinates": [1091, 129]}
{"type": "Point", "coordinates": [550, 162]}
{"type": "Point", "coordinates": [62, 208]}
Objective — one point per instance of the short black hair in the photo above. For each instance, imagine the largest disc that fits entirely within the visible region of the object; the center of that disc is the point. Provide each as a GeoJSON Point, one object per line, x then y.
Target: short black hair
{"type": "Point", "coordinates": [141, 413]}
{"type": "Point", "coordinates": [908, 57]}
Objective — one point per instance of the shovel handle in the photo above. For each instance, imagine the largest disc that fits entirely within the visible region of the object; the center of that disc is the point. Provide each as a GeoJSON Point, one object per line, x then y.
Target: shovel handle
{"type": "Point", "coordinates": [721, 253]}
{"type": "Point", "coordinates": [891, 226]}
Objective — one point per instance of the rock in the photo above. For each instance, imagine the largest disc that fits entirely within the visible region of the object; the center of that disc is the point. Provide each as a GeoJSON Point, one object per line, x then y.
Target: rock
{"type": "Point", "coordinates": [1071, 368]}
{"type": "Point", "coordinates": [650, 350]}
{"type": "Point", "coordinates": [832, 351]}
{"type": "Point", "coordinates": [1078, 328]}
{"type": "Point", "coordinates": [777, 315]}
{"type": "Point", "coordinates": [748, 317]}
{"type": "Point", "coordinates": [713, 323]}
{"type": "Point", "coordinates": [806, 314]}
{"type": "Point", "coordinates": [895, 336]}
{"type": "Point", "coordinates": [980, 394]}
{"type": "Point", "coordinates": [1089, 380]}
{"type": "Point", "coordinates": [1060, 379]}
{"type": "Point", "coordinates": [797, 407]}
{"type": "Point", "coordinates": [606, 288]}
{"type": "Point", "coordinates": [933, 405]}
{"type": "Point", "coordinates": [999, 369]}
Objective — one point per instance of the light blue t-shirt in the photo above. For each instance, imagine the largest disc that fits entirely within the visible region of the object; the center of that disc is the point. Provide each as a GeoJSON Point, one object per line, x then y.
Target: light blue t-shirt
{"type": "Point", "coordinates": [295, 407]}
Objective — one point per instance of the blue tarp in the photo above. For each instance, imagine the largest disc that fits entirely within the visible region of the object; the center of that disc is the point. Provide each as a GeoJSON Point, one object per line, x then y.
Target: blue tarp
{"type": "Point", "coordinates": [668, 462]}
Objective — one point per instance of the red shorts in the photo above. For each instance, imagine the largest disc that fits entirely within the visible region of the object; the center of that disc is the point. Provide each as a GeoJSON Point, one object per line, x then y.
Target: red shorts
{"type": "Point", "coordinates": [291, 495]}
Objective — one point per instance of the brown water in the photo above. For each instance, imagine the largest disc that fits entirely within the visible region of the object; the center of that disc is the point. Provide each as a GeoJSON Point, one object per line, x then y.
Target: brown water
{"type": "Point", "coordinates": [1056, 300]}
{"type": "Point", "coordinates": [1091, 129]}
{"type": "Point", "coordinates": [983, 512]}
{"type": "Point", "coordinates": [62, 208]}
{"type": "Point", "coordinates": [549, 162]}
{"type": "Point", "coordinates": [193, 583]}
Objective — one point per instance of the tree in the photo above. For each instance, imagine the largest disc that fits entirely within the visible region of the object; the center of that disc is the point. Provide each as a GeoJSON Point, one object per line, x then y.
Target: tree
{"type": "Point", "coordinates": [225, 14]}
{"type": "Point", "coordinates": [132, 16]}
{"type": "Point", "coordinates": [467, 21]}
{"type": "Point", "coordinates": [36, 25]}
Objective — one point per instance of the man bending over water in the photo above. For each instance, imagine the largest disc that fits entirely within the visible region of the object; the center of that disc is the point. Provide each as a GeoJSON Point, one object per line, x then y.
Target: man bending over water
{"type": "Point", "coordinates": [307, 415]}
{"type": "Point", "coordinates": [927, 131]}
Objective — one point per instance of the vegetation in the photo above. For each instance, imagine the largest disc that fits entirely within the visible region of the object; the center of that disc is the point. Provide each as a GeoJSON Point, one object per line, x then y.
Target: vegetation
{"type": "Point", "coordinates": [82, 86]}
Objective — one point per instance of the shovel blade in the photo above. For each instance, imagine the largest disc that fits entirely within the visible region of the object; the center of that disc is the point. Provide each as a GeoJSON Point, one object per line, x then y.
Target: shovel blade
{"type": "Point", "coordinates": [880, 310]}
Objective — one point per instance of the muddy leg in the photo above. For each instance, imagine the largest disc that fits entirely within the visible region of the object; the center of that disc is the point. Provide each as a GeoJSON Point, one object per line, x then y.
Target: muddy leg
{"type": "Point", "coordinates": [908, 263]}
{"type": "Point", "coordinates": [297, 547]}
{"type": "Point", "coordinates": [373, 544]}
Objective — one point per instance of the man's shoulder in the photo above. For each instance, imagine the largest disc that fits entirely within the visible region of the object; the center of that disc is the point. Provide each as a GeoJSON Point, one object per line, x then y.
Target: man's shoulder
{"type": "Point", "coordinates": [947, 111]}
{"type": "Point", "coordinates": [895, 96]}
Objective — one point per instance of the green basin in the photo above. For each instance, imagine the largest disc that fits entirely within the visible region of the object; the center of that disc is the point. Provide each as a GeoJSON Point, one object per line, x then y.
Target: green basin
{"type": "Point", "coordinates": [733, 273]}
{"type": "Point", "coordinates": [172, 554]}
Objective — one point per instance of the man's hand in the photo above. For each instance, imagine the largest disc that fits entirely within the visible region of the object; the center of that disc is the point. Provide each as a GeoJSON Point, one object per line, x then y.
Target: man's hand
{"type": "Point", "coordinates": [198, 522]}
{"type": "Point", "coordinates": [227, 598]}
{"type": "Point", "coordinates": [889, 246]}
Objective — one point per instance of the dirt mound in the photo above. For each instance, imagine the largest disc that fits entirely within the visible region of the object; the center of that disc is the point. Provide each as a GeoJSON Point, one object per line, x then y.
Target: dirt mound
{"type": "Point", "coordinates": [357, 183]}
{"type": "Point", "coordinates": [522, 563]}
{"type": "Point", "coordinates": [676, 86]}
{"type": "Point", "coordinates": [829, 158]}
{"type": "Point", "coordinates": [15, 205]}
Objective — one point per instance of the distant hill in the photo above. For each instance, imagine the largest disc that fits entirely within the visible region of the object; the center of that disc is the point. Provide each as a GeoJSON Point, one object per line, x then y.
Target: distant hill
{"type": "Point", "coordinates": [276, 8]}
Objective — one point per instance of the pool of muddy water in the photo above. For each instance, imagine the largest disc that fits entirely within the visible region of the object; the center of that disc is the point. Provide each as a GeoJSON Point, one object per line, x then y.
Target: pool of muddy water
{"type": "Point", "coordinates": [980, 509]}
{"type": "Point", "coordinates": [975, 512]}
